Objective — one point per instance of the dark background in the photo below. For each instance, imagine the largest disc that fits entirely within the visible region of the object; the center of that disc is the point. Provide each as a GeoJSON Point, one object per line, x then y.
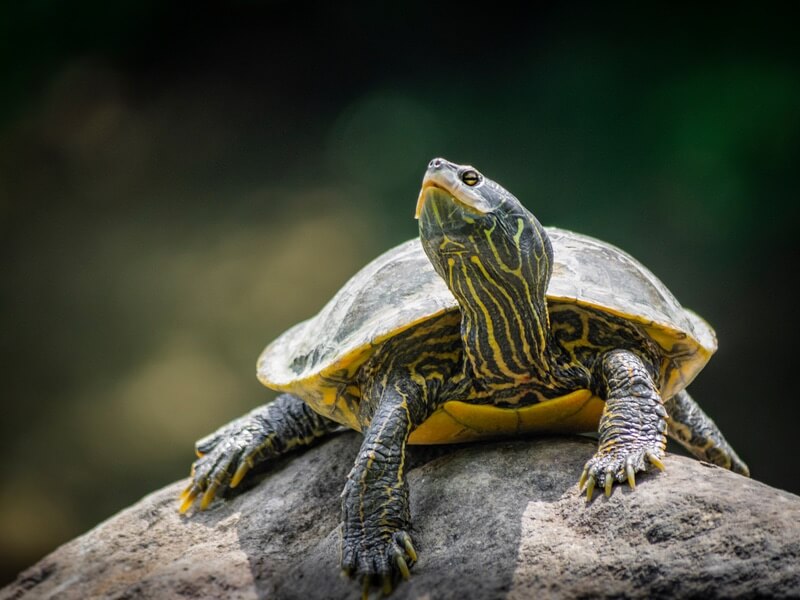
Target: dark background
{"type": "Point", "coordinates": [180, 183]}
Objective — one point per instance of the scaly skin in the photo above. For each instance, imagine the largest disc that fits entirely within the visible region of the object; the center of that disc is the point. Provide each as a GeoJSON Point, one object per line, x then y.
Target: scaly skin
{"type": "Point", "coordinates": [270, 430]}
{"type": "Point", "coordinates": [397, 395]}
{"type": "Point", "coordinates": [376, 544]}
{"type": "Point", "coordinates": [696, 432]}
{"type": "Point", "coordinates": [633, 425]}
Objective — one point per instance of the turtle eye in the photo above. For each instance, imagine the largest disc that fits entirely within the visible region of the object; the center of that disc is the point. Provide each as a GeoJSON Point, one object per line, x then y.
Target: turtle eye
{"type": "Point", "coordinates": [471, 177]}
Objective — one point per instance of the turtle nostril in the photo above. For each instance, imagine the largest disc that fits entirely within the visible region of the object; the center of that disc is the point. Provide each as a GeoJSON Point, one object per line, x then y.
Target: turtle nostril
{"type": "Point", "coordinates": [435, 163]}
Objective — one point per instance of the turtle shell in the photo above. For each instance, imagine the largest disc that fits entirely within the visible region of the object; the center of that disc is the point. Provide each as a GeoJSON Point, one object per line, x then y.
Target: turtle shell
{"type": "Point", "coordinates": [317, 358]}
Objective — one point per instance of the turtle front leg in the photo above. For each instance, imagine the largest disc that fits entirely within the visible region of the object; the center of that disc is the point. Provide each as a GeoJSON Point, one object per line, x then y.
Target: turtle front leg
{"type": "Point", "coordinates": [633, 425]}
{"type": "Point", "coordinates": [376, 543]}
{"type": "Point", "coordinates": [225, 456]}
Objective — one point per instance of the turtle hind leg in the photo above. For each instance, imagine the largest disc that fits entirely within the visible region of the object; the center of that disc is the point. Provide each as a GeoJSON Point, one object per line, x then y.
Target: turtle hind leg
{"type": "Point", "coordinates": [225, 456]}
{"type": "Point", "coordinates": [695, 431]}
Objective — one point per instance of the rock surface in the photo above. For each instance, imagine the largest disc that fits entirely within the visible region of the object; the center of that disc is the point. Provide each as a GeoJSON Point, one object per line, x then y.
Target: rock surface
{"type": "Point", "coordinates": [492, 520]}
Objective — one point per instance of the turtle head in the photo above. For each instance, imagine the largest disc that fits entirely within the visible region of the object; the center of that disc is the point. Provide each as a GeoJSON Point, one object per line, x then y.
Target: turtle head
{"type": "Point", "coordinates": [495, 257]}
{"type": "Point", "coordinates": [466, 218]}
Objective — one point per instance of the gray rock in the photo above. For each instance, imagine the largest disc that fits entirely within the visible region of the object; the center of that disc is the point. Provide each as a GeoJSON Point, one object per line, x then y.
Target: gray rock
{"type": "Point", "coordinates": [493, 520]}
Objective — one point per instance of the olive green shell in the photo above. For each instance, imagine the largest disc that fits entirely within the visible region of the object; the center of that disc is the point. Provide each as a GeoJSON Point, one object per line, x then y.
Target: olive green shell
{"type": "Point", "coordinates": [400, 289]}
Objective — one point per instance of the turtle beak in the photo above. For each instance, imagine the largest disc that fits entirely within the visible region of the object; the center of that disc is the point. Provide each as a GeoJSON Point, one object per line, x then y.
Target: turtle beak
{"type": "Point", "coordinates": [422, 197]}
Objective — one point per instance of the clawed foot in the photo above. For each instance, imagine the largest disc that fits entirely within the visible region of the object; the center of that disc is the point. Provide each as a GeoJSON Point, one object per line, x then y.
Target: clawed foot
{"type": "Point", "coordinates": [378, 560]}
{"type": "Point", "coordinates": [606, 467]}
{"type": "Point", "coordinates": [225, 457]}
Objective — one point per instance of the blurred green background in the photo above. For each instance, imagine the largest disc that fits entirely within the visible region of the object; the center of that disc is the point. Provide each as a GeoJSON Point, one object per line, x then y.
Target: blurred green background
{"type": "Point", "coordinates": [179, 183]}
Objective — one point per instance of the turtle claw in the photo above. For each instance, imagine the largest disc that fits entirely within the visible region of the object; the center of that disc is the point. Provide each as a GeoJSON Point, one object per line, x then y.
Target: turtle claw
{"type": "Point", "coordinates": [240, 473]}
{"type": "Point", "coordinates": [187, 498]}
{"type": "Point", "coordinates": [379, 562]}
{"type": "Point", "coordinates": [590, 488]}
{"type": "Point", "coordinates": [582, 480]}
{"type": "Point", "coordinates": [655, 461]}
{"type": "Point", "coordinates": [186, 492]}
{"type": "Point", "coordinates": [402, 566]}
{"type": "Point", "coordinates": [619, 465]}
{"type": "Point", "coordinates": [631, 475]}
{"type": "Point", "coordinates": [365, 585]}
{"type": "Point", "coordinates": [208, 496]}
{"type": "Point", "coordinates": [609, 481]}
{"type": "Point", "coordinates": [406, 539]}
{"type": "Point", "coordinates": [387, 585]}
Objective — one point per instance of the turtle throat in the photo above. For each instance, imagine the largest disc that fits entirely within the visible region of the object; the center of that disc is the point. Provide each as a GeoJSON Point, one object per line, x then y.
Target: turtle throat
{"type": "Point", "coordinates": [498, 267]}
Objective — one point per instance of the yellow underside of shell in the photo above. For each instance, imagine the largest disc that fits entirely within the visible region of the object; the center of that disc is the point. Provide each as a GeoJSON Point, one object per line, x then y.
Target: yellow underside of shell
{"type": "Point", "coordinates": [456, 421]}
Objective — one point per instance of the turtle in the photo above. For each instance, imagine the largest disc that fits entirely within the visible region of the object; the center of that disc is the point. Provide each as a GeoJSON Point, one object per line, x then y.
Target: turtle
{"type": "Point", "coordinates": [486, 325]}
